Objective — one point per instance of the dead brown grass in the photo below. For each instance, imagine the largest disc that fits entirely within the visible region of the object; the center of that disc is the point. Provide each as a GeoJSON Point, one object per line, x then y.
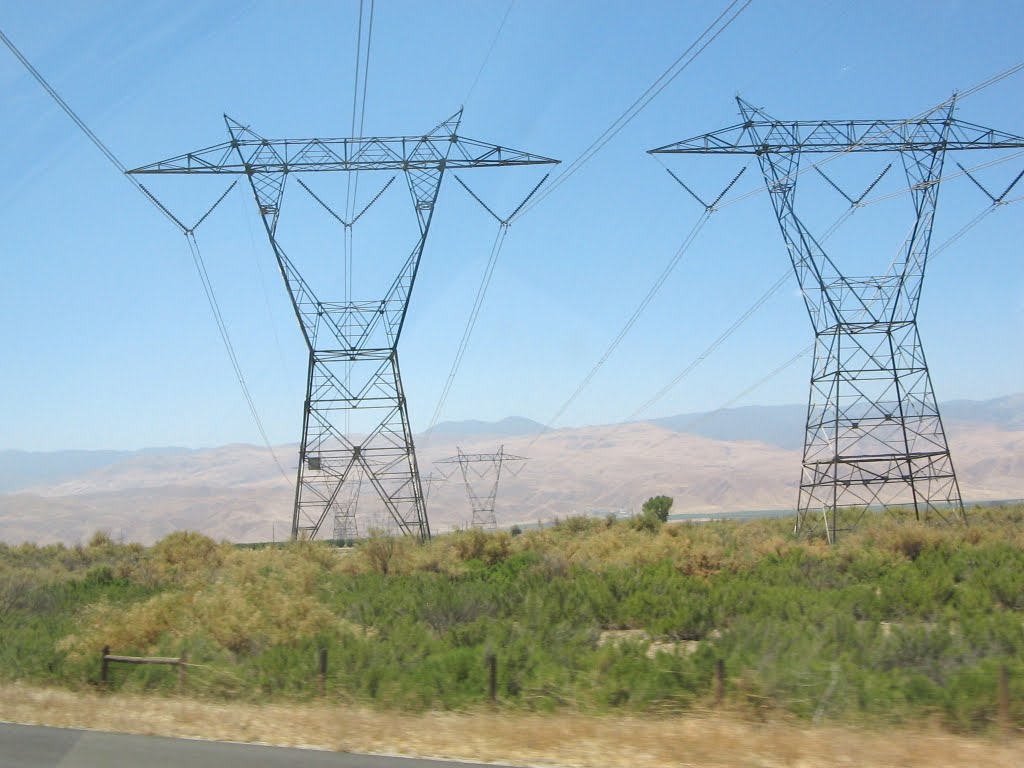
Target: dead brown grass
{"type": "Point", "coordinates": [704, 740]}
{"type": "Point", "coordinates": [243, 599]}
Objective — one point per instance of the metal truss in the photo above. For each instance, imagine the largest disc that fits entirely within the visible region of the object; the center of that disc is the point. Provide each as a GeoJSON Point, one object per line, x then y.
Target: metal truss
{"type": "Point", "coordinates": [478, 471]}
{"type": "Point", "coordinates": [353, 345]}
{"type": "Point", "coordinates": [874, 436]}
{"type": "Point", "coordinates": [346, 525]}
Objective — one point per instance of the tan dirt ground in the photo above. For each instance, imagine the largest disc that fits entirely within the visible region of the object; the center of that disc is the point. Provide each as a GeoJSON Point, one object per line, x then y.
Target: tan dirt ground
{"type": "Point", "coordinates": [706, 740]}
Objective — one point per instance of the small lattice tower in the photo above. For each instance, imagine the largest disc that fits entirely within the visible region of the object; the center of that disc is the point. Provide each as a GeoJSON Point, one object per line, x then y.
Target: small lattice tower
{"type": "Point", "coordinates": [481, 473]}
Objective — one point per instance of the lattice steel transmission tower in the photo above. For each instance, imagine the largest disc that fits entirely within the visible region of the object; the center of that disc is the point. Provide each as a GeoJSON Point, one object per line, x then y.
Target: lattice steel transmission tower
{"type": "Point", "coordinates": [353, 345]}
{"type": "Point", "coordinates": [481, 469]}
{"type": "Point", "coordinates": [874, 436]}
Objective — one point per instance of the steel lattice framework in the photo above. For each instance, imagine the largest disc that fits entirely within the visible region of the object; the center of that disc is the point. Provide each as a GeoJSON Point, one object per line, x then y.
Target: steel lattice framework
{"type": "Point", "coordinates": [874, 436]}
{"type": "Point", "coordinates": [480, 468]}
{"type": "Point", "coordinates": [353, 345]}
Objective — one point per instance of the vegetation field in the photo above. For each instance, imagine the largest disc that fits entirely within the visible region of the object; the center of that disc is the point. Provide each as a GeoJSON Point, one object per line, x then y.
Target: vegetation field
{"type": "Point", "coordinates": [897, 623]}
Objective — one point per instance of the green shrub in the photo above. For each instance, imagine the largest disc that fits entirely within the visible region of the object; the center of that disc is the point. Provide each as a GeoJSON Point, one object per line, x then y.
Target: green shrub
{"type": "Point", "coordinates": [658, 507]}
{"type": "Point", "coordinates": [895, 623]}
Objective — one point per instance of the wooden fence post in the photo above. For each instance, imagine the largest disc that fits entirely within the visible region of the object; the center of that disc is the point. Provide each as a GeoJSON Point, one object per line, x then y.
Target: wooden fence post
{"type": "Point", "coordinates": [323, 672]}
{"type": "Point", "coordinates": [182, 669]}
{"type": "Point", "coordinates": [104, 666]}
{"type": "Point", "coordinates": [719, 682]}
{"type": "Point", "coordinates": [492, 677]}
{"type": "Point", "coordinates": [1004, 699]}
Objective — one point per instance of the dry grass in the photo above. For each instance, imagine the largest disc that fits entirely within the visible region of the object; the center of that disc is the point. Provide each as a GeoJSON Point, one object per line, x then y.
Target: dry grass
{"type": "Point", "coordinates": [696, 549]}
{"type": "Point", "coordinates": [242, 599]}
{"type": "Point", "coordinates": [556, 740]}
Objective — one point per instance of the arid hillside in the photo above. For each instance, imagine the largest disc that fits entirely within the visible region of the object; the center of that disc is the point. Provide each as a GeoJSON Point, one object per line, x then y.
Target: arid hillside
{"type": "Point", "coordinates": [237, 492]}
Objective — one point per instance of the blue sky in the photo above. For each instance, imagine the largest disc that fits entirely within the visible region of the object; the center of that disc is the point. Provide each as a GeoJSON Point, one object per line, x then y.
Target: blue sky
{"type": "Point", "coordinates": [105, 332]}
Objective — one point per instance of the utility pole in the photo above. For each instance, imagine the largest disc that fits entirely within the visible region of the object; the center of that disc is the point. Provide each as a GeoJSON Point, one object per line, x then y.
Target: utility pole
{"type": "Point", "coordinates": [874, 436]}
{"type": "Point", "coordinates": [353, 345]}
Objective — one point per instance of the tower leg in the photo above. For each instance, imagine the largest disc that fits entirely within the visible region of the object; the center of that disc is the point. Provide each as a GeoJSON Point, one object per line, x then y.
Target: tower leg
{"type": "Point", "coordinates": [377, 447]}
{"type": "Point", "coordinates": [874, 437]}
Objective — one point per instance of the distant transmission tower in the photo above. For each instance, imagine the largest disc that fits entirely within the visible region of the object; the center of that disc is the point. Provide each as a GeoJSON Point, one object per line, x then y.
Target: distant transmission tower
{"type": "Point", "coordinates": [346, 528]}
{"type": "Point", "coordinates": [874, 436]}
{"type": "Point", "coordinates": [353, 345]}
{"type": "Point", "coordinates": [481, 472]}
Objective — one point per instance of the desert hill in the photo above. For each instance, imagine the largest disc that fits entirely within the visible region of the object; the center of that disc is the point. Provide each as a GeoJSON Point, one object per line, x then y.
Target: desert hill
{"type": "Point", "coordinates": [729, 461]}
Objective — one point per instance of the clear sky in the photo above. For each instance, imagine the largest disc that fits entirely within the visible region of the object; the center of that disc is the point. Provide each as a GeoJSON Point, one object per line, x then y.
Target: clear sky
{"type": "Point", "coordinates": [106, 337]}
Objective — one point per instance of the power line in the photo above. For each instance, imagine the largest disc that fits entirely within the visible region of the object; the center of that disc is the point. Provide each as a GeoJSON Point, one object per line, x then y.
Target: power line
{"type": "Point", "coordinates": [189, 233]}
{"type": "Point", "coordinates": [855, 205]}
{"type": "Point", "coordinates": [948, 243]}
{"type": "Point", "coordinates": [263, 284]}
{"type": "Point", "coordinates": [204, 277]}
{"type": "Point", "coordinates": [658, 283]}
{"type": "Point", "coordinates": [784, 278]}
{"type": "Point", "coordinates": [470, 324]}
{"type": "Point", "coordinates": [992, 80]}
{"type": "Point", "coordinates": [947, 177]}
{"type": "Point", "coordinates": [362, 67]}
{"type": "Point", "coordinates": [714, 346]}
{"type": "Point", "coordinates": [366, 71]}
{"type": "Point", "coordinates": [756, 385]}
{"type": "Point", "coordinates": [711, 33]}
{"type": "Point", "coordinates": [688, 241]}
{"type": "Point", "coordinates": [495, 249]}
{"type": "Point", "coordinates": [86, 130]}
{"type": "Point", "coordinates": [490, 50]}
{"type": "Point", "coordinates": [359, 104]}
{"type": "Point", "coordinates": [859, 203]}
{"type": "Point", "coordinates": [503, 225]}
{"type": "Point", "coordinates": [709, 208]}
{"type": "Point", "coordinates": [352, 181]}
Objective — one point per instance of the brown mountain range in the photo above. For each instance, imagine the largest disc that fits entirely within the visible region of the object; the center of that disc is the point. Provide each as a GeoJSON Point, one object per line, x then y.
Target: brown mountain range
{"type": "Point", "coordinates": [236, 492]}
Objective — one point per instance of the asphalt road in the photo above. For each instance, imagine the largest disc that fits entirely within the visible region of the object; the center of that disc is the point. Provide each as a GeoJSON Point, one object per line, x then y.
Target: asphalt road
{"type": "Point", "coordinates": [32, 746]}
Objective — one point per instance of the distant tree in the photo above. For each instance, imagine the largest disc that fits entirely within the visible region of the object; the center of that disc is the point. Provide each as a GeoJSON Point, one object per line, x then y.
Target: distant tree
{"type": "Point", "coordinates": [516, 530]}
{"type": "Point", "coordinates": [653, 514]}
{"type": "Point", "coordinates": [658, 507]}
{"type": "Point", "coordinates": [100, 539]}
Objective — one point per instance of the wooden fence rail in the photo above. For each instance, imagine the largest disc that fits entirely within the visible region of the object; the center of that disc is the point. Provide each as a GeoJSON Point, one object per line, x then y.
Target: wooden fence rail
{"type": "Point", "coordinates": [107, 657]}
{"type": "Point", "coordinates": [1003, 715]}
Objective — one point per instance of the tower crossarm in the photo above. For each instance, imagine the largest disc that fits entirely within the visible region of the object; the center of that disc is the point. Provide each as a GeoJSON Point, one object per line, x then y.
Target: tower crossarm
{"type": "Point", "coordinates": [759, 137]}
{"type": "Point", "coordinates": [468, 458]}
{"type": "Point", "coordinates": [402, 153]}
